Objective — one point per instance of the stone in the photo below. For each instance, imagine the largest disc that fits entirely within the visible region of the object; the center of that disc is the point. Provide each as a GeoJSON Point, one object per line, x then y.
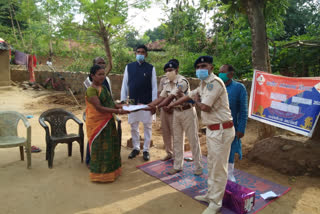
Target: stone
{"type": "Point", "coordinates": [287, 147]}
{"type": "Point", "coordinates": [302, 162]}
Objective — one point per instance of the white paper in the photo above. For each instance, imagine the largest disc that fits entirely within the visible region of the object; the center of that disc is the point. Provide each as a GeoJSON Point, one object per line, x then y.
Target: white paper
{"type": "Point", "coordinates": [269, 195]}
{"type": "Point", "coordinates": [134, 107]}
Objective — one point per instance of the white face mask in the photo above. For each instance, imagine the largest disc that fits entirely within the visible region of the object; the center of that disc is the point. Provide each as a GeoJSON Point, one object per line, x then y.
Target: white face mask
{"type": "Point", "coordinates": [171, 75]}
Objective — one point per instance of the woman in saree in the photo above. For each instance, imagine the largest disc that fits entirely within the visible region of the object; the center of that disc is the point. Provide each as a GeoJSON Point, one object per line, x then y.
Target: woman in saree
{"type": "Point", "coordinates": [104, 143]}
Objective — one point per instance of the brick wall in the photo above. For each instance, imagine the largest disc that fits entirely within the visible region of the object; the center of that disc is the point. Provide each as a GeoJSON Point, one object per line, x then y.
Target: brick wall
{"type": "Point", "coordinates": [75, 79]}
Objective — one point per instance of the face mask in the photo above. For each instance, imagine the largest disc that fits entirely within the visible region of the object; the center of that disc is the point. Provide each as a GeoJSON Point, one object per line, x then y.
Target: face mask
{"type": "Point", "coordinates": [202, 74]}
{"type": "Point", "coordinates": [140, 58]}
{"type": "Point", "coordinates": [171, 75]}
{"type": "Point", "coordinates": [224, 77]}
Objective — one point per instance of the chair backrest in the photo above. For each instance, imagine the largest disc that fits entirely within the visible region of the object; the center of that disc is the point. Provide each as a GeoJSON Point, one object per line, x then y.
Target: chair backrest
{"type": "Point", "coordinates": [8, 122]}
{"type": "Point", "coordinates": [57, 118]}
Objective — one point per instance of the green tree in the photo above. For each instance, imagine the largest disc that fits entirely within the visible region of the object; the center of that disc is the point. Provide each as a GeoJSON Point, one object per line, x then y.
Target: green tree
{"type": "Point", "coordinates": [132, 39]}
{"type": "Point", "coordinates": [184, 27]}
{"type": "Point", "coordinates": [299, 16]}
{"type": "Point", "coordinates": [106, 19]}
{"type": "Point", "coordinates": [256, 11]}
{"type": "Point", "coordinates": [157, 33]}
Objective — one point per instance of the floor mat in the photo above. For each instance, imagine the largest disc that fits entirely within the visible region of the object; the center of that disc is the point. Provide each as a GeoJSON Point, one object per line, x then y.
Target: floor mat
{"type": "Point", "coordinates": [193, 185]}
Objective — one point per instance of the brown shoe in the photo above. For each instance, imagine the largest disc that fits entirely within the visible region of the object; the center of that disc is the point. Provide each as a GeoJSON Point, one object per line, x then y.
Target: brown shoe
{"type": "Point", "coordinates": [174, 171]}
{"type": "Point", "coordinates": [167, 157]}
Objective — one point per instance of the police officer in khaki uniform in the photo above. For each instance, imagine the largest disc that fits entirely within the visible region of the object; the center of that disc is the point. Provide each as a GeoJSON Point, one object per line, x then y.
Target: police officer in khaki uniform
{"type": "Point", "coordinates": [166, 125]}
{"type": "Point", "coordinates": [184, 118]}
{"type": "Point", "coordinates": [211, 97]}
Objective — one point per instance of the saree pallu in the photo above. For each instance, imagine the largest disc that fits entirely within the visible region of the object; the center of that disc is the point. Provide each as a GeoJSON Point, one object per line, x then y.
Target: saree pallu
{"type": "Point", "coordinates": [104, 144]}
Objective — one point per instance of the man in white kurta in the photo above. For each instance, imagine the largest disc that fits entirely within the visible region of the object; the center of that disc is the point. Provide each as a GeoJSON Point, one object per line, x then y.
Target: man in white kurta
{"type": "Point", "coordinates": [140, 85]}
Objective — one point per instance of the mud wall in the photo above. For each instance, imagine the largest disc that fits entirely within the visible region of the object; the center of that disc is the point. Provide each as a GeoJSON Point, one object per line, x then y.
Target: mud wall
{"type": "Point", "coordinates": [74, 80]}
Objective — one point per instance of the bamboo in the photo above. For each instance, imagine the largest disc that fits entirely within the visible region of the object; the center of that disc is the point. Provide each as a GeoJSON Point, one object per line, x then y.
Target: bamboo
{"type": "Point", "coordinates": [12, 23]}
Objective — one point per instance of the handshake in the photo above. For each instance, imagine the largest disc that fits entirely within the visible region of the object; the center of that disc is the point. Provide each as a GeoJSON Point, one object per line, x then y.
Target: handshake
{"type": "Point", "coordinates": [154, 108]}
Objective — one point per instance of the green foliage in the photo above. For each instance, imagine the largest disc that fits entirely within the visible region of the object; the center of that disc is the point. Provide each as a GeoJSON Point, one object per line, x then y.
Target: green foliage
{"type": "Point", "coordinates": [186, 59]}
{"type": "Point", "coordinates": [299, 16]}
{"type": "Point", "coordinates": [121, 55]}
{"type": "Point", "coordinates": [184, 27]}
{"type": "Point", "coordinates": [228, 38]}
{"type": "Point", "coordinates": [132, 39]}
{"type": "Point", "coordinates": [157, 33]}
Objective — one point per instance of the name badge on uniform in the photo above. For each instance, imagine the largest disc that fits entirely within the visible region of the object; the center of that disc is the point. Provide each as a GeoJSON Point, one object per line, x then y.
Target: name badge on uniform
{"type": "Point", "coordinates": [210, 86]}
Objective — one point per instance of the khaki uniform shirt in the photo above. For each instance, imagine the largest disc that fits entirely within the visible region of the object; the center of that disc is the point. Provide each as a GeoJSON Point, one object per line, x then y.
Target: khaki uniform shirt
{"type": "Point", "coordinates": [162, 82]}
{"type": "Point", "coordinates": [172, 88]}
{"type": "Point", "coordinates": [213, 93]}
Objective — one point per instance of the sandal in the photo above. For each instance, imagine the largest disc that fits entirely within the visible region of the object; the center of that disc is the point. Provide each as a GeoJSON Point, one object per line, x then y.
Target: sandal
{"type": "Point", "coordinates": [35, 149]}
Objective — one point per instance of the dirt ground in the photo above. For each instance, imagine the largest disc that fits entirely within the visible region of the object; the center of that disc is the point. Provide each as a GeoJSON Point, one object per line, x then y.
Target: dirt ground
{"type": "Point", "coordinates": [66, 187]}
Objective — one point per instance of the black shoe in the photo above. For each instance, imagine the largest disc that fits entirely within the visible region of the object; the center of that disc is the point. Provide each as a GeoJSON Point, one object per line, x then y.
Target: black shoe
{"type": "Point", "coordinates": [134, 153]}
{"type": "Point", "coordinates": [146, 156]}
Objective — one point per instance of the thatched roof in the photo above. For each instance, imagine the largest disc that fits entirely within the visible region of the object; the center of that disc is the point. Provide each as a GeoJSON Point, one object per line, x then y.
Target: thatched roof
{"type": "Point", "coordinates": [157, 45]}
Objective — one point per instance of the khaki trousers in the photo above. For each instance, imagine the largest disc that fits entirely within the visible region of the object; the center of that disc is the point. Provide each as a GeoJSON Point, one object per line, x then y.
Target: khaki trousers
{"type": "Point", "coordinates": [167, 131]}
{"type": "Point", "coordinates": [186, 122]}
{"type": "Point", "coordinates": [219, 144]}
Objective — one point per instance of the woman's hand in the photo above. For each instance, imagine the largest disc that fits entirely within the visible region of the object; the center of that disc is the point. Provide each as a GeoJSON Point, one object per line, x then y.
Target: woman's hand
{"type": "Point", "coordinates": [121, 105]}
{"type": "Point", "coordinates": [121, 111]}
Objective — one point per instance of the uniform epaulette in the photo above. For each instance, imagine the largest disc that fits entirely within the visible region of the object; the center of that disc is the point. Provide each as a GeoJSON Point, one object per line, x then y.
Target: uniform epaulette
{"type": "Point", "coordinates": [166, 81]}
{"type": "Point", "coordinates": [219, 81]}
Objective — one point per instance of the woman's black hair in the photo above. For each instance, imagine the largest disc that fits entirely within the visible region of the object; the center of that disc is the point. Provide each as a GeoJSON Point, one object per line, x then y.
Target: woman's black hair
{"type": "Point", "coordinates": [93, 70]}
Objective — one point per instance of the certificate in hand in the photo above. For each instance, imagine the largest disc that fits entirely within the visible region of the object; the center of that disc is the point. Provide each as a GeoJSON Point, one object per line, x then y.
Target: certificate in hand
{"type": "Point", "coordinates": [134, 107]}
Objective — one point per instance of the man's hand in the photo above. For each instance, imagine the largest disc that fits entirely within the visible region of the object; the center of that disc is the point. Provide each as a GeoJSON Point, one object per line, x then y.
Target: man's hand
{"type": "Point", "coordinates": [197, 98]}
{"type": "Point", "coordinates": [239, 135]}
{"type": "Point", "coordinates": [179, 94]}
{"type": "Point", "coordinates": [151, 108]}
{"type": "Point", "coordinates": [168, 110]}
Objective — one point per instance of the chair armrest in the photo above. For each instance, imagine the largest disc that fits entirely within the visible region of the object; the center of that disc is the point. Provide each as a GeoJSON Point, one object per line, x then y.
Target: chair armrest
{"type": "Point", "coordinates": [75, 119]}
{"type": "Point", "coordinates": [46, 128]}
{"type": "Point", "coordinates": [25, 121]}
{"type": "Point", "coordinates": [80, 123]}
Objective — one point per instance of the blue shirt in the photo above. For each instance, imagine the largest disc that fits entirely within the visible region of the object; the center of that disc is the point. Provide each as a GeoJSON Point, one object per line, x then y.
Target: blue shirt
{"type": "Point", "coordinates": [238, 101]}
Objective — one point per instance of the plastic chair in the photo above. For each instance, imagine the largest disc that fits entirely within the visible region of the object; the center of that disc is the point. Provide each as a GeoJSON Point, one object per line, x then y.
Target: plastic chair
{"type": "Point", "coordinates": [57, 118]}
{"type": "Point", "coordinates": [9, 135]}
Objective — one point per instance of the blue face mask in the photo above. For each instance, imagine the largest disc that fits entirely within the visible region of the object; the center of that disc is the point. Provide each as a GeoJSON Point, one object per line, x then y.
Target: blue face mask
{"type": "Point", "coordinates": [140, 58]}
{"type": "Point", "coordinates": [224, 77]}
{"type": "Point", "coordinates": [202, 74]}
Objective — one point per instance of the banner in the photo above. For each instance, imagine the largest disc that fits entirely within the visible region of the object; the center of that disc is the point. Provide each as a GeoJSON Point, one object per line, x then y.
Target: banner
{"type": "Point", "coordinates": [285, 102]}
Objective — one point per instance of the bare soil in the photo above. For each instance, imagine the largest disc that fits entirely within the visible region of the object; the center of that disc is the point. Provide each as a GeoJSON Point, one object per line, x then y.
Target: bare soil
{"type": "Point", "coordinates": [291, 155]}
{"type": "Point", "coordinates": [66, 188]}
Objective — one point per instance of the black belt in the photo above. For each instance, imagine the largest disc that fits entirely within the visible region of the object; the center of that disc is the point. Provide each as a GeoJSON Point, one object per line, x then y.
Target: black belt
{"type": "Point", "coordinates": [182, 108]}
